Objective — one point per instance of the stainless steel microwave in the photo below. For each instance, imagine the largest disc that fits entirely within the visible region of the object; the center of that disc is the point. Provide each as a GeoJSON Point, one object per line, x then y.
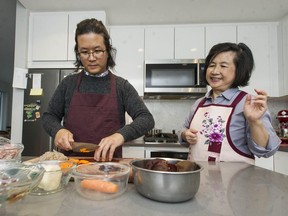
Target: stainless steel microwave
{"type": "Point", "coordinates": [174, 78]}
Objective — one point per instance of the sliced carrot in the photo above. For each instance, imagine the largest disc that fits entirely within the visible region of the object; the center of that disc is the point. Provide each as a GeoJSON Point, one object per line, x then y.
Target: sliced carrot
{"type": "Point", "coordinates": [84, 150]}
{"type": "Point", "coordinates": [65, 165]}
{"type": "Point", "coordinates": [83, 162]}
{"type": "Point", "coordinates": [100, 185]}
{"type": "Point", "coordinates": [75, 160]}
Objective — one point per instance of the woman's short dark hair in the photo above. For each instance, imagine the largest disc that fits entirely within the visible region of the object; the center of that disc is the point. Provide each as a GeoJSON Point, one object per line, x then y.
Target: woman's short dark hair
{"type": "Point", "coordinates": [244, 62]}
{"type": "Point", "coordinates": [95, 26]}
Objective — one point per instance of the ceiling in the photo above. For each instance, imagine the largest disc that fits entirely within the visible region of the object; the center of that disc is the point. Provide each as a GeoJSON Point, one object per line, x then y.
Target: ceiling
{"type": "Point", "coordinates": [156, 12]}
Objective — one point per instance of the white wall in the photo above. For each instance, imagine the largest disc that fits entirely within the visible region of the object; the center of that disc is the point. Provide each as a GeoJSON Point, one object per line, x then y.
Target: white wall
{"type": "Point", "coordinates": [170, 114]}
{"type": "Point", "coordinates": [21, 40]}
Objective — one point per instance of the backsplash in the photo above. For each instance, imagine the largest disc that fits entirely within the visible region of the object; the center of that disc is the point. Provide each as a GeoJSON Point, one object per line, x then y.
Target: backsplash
{"type": "Point", "coordinates": [170, 114]}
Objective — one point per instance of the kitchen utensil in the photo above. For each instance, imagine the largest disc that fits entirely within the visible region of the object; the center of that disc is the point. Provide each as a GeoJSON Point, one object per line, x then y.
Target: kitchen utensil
{"type": "Point", "coordinates": [56, 177]}
{"type": "Point", "coordinates": [84, 147]}
{"type": "Point", "coordinates": [165, 186]}
{"type": "Point", "coordinates": [282, 116]}
{"type": "Point", "coordinates": [89, 178]}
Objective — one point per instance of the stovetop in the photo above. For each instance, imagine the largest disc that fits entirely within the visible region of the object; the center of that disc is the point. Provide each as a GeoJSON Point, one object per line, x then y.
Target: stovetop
{"type": "Point", "coordinates": [161, 138]}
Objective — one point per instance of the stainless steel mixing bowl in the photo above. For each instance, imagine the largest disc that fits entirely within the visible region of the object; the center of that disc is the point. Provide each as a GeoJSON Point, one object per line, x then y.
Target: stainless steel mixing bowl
{"type": "Point", "coordinates": [165, 186]}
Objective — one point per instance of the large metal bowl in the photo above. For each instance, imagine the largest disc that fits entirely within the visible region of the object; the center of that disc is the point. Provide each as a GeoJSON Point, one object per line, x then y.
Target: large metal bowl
{"type": "Point", "coordinates": [165, 186]}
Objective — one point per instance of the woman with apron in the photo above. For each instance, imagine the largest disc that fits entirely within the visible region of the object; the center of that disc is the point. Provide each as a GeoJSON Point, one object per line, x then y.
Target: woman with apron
{"type": "Point", "coordinates": [228, 124]}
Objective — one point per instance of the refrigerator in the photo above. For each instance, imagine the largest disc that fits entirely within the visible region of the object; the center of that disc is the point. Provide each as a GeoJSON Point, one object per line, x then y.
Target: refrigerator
{"type": "Point", "coordinates": [34, 138]}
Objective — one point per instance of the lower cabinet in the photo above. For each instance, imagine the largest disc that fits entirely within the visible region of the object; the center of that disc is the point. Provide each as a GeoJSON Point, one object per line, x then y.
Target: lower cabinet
{"type": "Point", "coordinates": [267, 163]}
{"type": "Point", "coordinates": [133, 152]}
{"type": "Point", "coordinates": [281, 162]}
{"type": "Point", "coordinates": [278, 162]}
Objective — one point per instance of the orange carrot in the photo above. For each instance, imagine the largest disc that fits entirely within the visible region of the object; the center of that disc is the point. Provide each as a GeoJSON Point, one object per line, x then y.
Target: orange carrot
{"type": "Point", "coordinates": [83, 162]}
{"type": "Point", "coordinates": [100, 185]}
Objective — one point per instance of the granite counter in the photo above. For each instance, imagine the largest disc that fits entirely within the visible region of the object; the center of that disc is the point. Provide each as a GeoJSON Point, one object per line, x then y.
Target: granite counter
{"type": "Point", "coordinates": [225, 189]}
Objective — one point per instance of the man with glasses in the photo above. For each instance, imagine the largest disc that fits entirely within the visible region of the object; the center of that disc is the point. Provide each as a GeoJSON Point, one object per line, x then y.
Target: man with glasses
{"type": "Point", "coordinates": [93, 102]}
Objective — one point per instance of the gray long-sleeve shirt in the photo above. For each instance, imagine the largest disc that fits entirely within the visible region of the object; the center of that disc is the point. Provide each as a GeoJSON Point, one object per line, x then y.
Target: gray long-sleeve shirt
{"type": "Point", "coordinates": [239, 127]}
{"type": "Point", "coordinates": [127, 98]}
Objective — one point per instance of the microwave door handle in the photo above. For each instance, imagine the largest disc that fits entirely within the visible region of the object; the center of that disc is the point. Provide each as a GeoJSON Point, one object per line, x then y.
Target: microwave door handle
{"type": "Point", "coordinates": [198, 74]}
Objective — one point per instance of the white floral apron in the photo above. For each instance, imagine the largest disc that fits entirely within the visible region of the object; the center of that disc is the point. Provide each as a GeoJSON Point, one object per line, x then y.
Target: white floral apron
{"type": "Point", "coordinates": [214, 142]}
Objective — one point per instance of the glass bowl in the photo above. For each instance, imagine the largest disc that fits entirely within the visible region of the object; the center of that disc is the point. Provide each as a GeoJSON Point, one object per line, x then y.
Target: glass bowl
{"type": "Point", "coordinates": [10, 151]}
{"type": "Point", "coordinates": [56, 177]}
{"type": "Point", "coordinates": [101, 181]}
{"type": "Point", "coordinates": [17, 180]}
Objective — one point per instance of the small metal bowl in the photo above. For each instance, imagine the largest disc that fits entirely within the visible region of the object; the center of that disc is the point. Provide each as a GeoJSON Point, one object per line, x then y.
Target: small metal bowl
{"type": "Point", "coordinates": [165, 186]}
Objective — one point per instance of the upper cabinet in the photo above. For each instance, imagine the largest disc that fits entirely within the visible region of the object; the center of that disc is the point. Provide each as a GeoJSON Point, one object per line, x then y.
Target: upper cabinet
{"type": "Point", "coordinates": [51, 44]}
{"type": "Point", "coordinates": [48, 36]}
{"type": "Point", "coordinates": [219, 34]}
{"type": "Point", "coordinates": [51, 37]}
{"type": "Point", "coordinates": [283, 56]}
{"type": "Point", "coordinates": [159, 42]}
{"type": "Point", "coordinates": [262, 40]}
{"type": "Point", "coordinates": [74, 19]}
{"type": "Point", "coordinates": [129, 43]}
{"type": "Point", "coordinates": [189, 42]}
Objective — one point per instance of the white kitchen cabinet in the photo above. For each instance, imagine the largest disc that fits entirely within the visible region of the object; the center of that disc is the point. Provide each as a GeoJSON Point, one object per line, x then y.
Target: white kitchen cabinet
{"type": "Point", "coordinates": [51, 37]}
{"type": "Point", "coordinates": [267, 163]}
{"type": "Point", "coordinates": [189, 42]}
{"type": "Point", "coordinates": [283, 56]}
{"type": "Point", "coordinates": [132, 152]}
{"type": "Point", "coordinates": [159, 42]}
{"type": "Point", "coordinates": [280, 162]}
{"type": "Point", "coordinates": [74, 19]}
{"type": "Point", "coordinates": [262, 40]}
{"type": "Point", "coordinates": [215, 34]}
{"type": "Point", "coordinates": [48, 36]}
{"type": "Point", "coordinates": [129, 42]}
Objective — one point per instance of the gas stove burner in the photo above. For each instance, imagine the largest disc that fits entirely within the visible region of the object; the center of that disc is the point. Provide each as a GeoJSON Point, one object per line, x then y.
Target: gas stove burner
{"type": "Point", "coordinates": [161, 138]}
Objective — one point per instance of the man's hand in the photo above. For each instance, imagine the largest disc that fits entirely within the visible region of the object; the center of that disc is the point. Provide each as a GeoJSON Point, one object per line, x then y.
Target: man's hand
{"type": "Point", "coordinates": [107, 147]}
{"type": "Point", "coordinates": [64, 139]}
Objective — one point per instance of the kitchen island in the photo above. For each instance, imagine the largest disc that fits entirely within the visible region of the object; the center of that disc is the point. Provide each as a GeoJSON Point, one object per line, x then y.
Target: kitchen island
{"type": "Point", "coordinates": [225, 189]}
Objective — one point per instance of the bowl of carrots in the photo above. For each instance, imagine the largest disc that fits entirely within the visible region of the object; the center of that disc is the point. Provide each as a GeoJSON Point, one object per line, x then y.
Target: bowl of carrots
{"type": "Point", "coordinates": [56, 177]}
{"type": "Point", "coordinates": [101, 181]}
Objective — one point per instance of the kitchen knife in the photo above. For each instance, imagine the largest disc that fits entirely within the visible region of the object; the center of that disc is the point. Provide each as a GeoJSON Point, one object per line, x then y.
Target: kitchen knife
{"type": "Point", "coordinates": [84, 147]}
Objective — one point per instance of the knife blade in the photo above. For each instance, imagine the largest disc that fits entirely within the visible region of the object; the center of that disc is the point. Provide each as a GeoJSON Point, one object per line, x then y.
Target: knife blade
{"type": "Point", "coordinates": [84, 147]}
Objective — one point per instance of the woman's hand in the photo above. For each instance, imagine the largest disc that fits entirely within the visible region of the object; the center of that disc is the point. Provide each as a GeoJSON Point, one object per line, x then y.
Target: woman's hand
{"type": "Point", "coordinates": [64, 139]}
{"type": "Point", "coordinates": [190, 136]}
{"type": "Point", "coordinates": [107, 147]}
{"type": "Point", "coordinates": [256, 106]}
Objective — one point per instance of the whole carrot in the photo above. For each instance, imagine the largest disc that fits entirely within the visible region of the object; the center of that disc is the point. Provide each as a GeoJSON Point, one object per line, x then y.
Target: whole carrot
{"type": "Point", "coordinates": [100, 185]}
